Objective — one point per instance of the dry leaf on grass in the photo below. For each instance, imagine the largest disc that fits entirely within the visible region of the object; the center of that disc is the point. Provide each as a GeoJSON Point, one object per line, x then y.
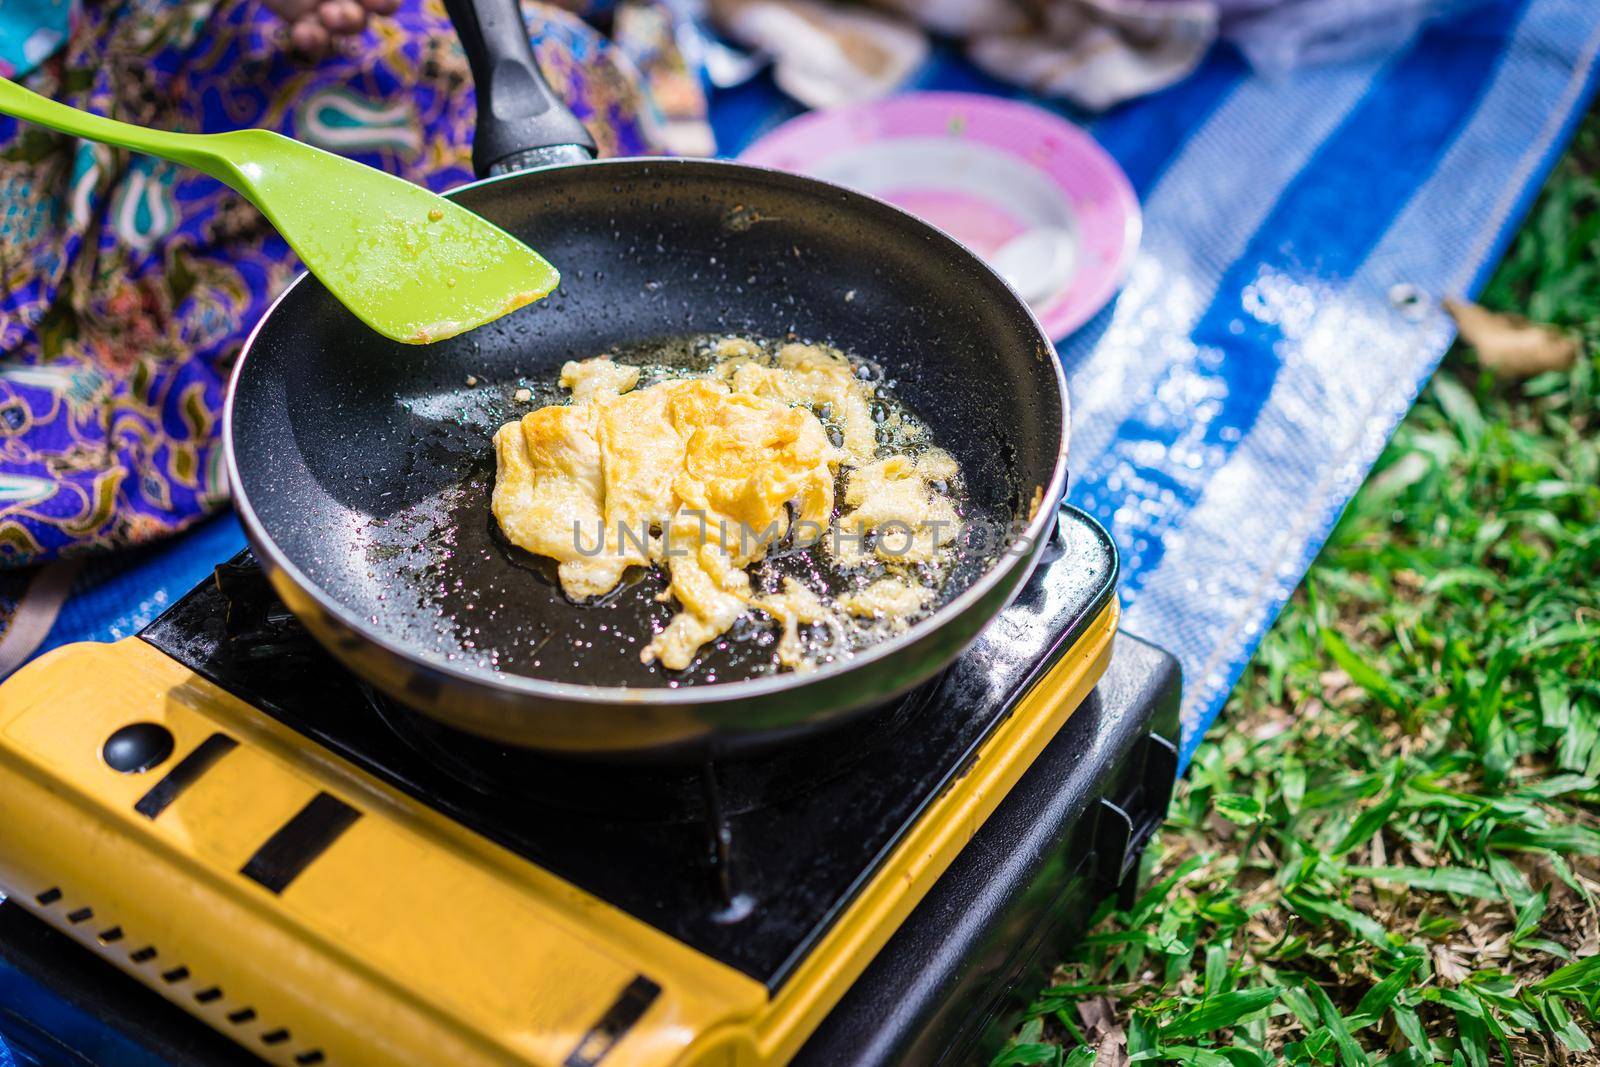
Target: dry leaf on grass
{"type": "Point", "coordinates": [1510, 345]}
{"type": "Point", "coordinates": [1100, 1027]}
{"type": "Point", "coordinates": [1449, 967]}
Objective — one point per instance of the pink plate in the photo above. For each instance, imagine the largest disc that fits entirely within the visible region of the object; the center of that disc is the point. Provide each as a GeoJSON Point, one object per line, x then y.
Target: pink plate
{"type": "Point", "coordinates": [1027, 190]}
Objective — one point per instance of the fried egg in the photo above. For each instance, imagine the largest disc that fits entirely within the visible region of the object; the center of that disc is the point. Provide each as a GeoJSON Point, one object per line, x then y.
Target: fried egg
{"type": "Point", "coordinates": [702, 475]}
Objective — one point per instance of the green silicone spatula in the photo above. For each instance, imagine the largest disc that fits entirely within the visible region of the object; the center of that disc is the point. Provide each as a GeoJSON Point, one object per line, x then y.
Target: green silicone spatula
{"type": "Point", "coordinates": [412, 265]}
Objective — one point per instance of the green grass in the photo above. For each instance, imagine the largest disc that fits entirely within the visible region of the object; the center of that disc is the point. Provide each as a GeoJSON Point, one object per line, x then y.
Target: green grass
{"type": "Point", "coordinates": [1388, 850]}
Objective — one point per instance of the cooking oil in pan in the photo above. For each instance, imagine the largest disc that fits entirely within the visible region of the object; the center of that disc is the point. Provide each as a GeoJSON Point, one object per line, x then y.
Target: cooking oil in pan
{"type": "Point", "coordinates": [479, 600]}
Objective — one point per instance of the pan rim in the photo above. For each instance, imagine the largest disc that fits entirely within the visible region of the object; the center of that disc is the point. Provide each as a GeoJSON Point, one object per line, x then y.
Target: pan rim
{"type": "Point", "coordinates": [522, 685]}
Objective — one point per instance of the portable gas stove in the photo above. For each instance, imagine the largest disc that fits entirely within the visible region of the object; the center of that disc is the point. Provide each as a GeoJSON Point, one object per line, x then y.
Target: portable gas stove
{"type": "Point", "coordinates": [223, 815]}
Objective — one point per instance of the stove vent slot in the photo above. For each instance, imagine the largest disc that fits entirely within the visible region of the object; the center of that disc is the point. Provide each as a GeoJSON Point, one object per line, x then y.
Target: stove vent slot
{"type": "Point", "coordinates": [274, 1042]}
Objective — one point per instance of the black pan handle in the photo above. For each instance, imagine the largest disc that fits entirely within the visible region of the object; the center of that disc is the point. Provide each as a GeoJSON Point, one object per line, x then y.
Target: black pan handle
{"type": "Point", "coordinates": [521, 122]}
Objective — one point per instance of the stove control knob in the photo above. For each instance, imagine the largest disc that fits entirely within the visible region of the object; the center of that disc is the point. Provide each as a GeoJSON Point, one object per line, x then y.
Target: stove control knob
{"type": "Point", "coordinates": [137, 747]}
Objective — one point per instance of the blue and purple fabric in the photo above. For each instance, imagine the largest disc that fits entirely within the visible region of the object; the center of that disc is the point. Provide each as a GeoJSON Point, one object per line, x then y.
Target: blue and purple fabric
{"type": "Point", "coordinates": [129, 282]}
{"type": "Point", "coordinates": [1231, 400]}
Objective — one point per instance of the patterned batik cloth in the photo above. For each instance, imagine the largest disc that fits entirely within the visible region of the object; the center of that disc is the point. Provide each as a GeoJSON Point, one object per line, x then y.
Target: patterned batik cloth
{"type": "Point", "coordinates": [129, 282]}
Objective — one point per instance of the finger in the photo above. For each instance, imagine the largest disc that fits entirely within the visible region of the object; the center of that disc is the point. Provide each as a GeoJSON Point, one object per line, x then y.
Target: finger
{"type": "Point", "coordinates": [381, 7]}
{"type": "Point", "coordinates": [309, 36]}
{"type": "Point", "coordinates": [342, 16]}
{"type": "Point", "coordinates": [291, 11]}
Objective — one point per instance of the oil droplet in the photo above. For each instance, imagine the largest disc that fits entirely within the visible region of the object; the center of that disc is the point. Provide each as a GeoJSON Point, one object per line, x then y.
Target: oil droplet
{"type": "Point", "coordinates": [435, 214]}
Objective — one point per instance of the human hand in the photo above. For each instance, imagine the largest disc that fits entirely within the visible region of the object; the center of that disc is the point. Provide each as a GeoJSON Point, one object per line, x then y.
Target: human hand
{"type": "Point", "coordinates": [315, 24]}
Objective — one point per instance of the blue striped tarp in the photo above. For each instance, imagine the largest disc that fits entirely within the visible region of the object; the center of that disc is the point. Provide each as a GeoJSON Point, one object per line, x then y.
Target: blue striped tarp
{"type": "Point", "coordinates": [1228, 404]}
{"type": "Point", "coordinates": [1259, 359]}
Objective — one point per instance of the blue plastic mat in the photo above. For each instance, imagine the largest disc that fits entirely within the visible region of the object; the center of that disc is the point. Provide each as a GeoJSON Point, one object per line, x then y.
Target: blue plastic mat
{"type": "Point", "coordinates": [1229, 403]}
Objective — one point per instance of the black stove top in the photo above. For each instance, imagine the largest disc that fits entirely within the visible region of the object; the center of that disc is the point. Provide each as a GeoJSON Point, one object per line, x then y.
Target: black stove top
{"type": "Point", "coordinates": [746, 860]}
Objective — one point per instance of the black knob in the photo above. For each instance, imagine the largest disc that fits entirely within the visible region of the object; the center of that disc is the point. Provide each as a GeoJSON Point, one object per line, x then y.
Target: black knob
{"type": "Point", "coordinates": [137, 747]}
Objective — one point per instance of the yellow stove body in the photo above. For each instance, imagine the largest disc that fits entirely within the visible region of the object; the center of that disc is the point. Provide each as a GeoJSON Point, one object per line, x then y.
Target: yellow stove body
{"type": "Point", "coordinates": [318, 916]}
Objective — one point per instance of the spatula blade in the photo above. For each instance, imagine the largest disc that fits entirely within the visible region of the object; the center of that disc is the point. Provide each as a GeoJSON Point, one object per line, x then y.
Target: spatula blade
{"type": "Point", "coordinates": [412, 265]}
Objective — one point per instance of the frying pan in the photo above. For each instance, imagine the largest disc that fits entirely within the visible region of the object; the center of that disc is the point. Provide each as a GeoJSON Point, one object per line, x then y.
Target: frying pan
{"type": "Point", "coordinates": [362, 468]}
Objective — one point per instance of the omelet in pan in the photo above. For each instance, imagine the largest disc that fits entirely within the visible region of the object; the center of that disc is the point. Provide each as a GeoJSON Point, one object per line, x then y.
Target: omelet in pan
{"type": "Point", "coordinates": [702, 474]}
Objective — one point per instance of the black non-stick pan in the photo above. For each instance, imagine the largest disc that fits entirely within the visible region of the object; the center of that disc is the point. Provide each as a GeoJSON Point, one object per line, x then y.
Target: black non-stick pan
{"type": "Point", "coordinates": [362, 468]}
